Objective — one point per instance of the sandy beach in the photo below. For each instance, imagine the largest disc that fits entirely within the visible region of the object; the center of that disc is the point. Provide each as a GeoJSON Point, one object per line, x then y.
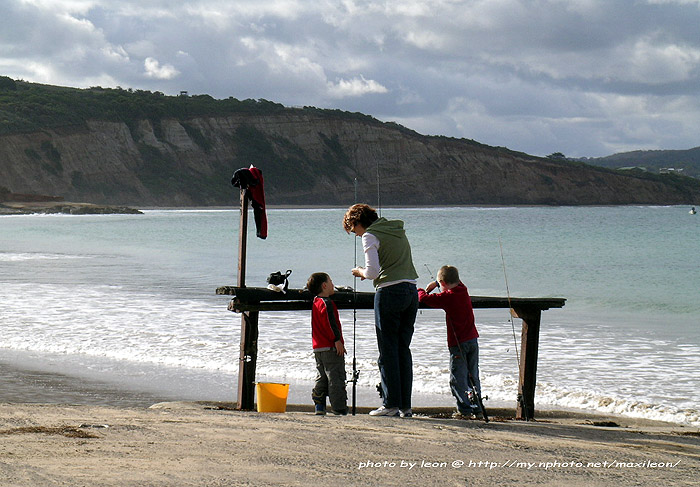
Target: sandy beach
{"type": "Point", "coordinates": [208, 444]}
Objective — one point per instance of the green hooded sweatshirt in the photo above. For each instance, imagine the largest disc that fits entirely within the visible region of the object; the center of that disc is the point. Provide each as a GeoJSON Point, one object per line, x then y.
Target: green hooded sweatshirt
{"type": "Point", "coordinates": [395, 260]}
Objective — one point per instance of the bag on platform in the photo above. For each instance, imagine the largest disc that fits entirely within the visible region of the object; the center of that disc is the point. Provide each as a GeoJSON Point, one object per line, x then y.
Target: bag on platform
{"type": "Point", "coordinates": [279, 282]}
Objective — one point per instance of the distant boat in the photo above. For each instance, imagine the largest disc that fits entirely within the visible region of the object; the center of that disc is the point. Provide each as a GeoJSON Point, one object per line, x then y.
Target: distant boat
{"type": "Point", "coordinates": [692, 211]}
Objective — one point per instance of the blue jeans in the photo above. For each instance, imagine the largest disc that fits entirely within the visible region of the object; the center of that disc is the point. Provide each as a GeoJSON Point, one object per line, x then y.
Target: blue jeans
{"type": "Point", "coordinates": [464, 360]}
{"type": "Point", "coordinates": [395, 309]}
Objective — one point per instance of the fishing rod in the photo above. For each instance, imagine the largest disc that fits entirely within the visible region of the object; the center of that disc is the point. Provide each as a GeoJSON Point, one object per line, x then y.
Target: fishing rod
{"type": "Point", "coordinates": [520, 398]}
{"type": "Point", "coordinates": [476, 391]}
{"type": "Point", "coordinates": [355, 372]}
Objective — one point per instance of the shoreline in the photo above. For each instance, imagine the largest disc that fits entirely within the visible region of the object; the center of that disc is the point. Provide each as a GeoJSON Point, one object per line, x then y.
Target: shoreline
{"type": "Point", "coordinates": [12, 208]}
{"type": "Point", "coordinates": [32, 378]}
{"type": "Point", "coordinates": [400, 207]}
{"type": "Point", "coordinates": [23, 381]}
{"type": "Point", "coordinates": [207, 444]}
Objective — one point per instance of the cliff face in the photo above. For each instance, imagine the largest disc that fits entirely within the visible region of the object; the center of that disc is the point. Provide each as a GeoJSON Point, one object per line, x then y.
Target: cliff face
{"type": "Point", "coordinates": [305, 159]}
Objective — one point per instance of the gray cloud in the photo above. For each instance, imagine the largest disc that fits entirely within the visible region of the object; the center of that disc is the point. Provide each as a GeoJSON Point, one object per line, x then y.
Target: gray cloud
{"type": "Point", "coordinates": [584, 77]}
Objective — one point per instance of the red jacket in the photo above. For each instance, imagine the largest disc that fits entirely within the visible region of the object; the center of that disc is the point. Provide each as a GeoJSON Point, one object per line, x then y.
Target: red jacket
{"type": "Point", "coordinates": [325, 324]}
{"type": "Point", "coordinates": [459, 314]}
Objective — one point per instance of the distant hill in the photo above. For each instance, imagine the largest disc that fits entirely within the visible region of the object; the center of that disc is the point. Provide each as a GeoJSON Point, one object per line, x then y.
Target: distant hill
{"type": "Point", "coordinates": [139, 148]}
{"type": "Point", "coordinates": [687, 161]}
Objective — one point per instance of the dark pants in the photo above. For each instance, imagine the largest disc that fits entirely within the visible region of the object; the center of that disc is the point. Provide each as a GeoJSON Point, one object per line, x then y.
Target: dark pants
{"type": "Point", "coordinates": [395, 309]}
{"type": "Point", "coordinates": [330, 381]}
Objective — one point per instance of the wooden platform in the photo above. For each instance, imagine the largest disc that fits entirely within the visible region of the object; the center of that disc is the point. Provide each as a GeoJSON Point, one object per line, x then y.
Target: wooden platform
{"type": "Point", "coordinates": [250, 301]}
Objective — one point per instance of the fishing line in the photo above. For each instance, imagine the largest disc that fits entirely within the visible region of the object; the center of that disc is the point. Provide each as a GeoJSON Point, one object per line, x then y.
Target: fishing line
{"type": "Point", "coordinates": [429, 273]}
{"type": "Point", "coordinates": [379, 193]}
{"type": "Point", "coordinates": [355, 372]}
{"type": "Point", "coordinates": [510, 307]}
{"type": "Point", "coordinates": [520, 399]}
{"type": "Point", "coordinates": [431, 278]}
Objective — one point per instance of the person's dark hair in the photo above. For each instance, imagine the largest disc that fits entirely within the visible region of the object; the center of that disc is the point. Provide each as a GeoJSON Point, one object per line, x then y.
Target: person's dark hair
{"type": "Point", "coordinates": [449, 274]}
{"type": "Point", "coordinates": [315, 282]}
{"type": "Point", "coordinates": [360, 213]}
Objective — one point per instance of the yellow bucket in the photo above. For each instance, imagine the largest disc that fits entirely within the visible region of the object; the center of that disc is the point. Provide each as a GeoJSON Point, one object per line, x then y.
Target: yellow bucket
{"type": "Point", "coordinates": [272, 398]}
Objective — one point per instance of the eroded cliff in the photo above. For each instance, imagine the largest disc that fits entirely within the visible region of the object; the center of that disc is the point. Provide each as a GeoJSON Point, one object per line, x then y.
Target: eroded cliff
{"type": "Point", "coordinates": [306, 158]}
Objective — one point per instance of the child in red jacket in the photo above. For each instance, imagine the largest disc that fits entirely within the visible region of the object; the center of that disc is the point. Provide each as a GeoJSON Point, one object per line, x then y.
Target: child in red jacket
{"type": "Point", "coordinates": [329, 347]}
{"type": "Point", "coordinates": [461, 337]}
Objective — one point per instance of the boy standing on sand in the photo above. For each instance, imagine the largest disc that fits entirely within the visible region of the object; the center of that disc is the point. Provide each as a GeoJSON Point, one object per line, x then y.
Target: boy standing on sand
{"type": "Point", "coordinates": [329, 347]}
{"type": "Point", "coordinates": [462, 337]}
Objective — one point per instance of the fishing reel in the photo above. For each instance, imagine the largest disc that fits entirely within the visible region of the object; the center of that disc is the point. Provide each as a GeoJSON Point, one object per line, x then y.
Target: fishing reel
{"type": "Point", "coordinates": [355, 377]}
{"type": "Point", "coordinates": [471, 395]}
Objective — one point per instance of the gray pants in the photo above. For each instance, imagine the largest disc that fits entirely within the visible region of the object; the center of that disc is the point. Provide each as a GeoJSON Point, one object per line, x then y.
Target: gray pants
{"type": "Point", "coordinates": [330, 381]}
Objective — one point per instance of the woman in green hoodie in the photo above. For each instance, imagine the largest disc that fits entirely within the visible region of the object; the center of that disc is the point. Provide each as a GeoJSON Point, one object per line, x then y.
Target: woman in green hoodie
{"type": "Point", "coordinates": [389, 264]}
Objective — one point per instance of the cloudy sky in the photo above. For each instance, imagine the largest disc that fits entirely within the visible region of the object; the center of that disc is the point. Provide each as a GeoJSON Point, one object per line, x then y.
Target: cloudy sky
{"type": "Point", "coordinates": [582, 77]}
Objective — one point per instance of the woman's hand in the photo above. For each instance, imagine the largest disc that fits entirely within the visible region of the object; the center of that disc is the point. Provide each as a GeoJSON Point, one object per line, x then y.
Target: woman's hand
{"type": "Point", "coordinates": [359, 272]}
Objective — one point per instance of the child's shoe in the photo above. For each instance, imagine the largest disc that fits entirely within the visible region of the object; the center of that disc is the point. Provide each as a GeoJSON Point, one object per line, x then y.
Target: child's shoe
{"type": "Point", "coordinates": [320, 409]}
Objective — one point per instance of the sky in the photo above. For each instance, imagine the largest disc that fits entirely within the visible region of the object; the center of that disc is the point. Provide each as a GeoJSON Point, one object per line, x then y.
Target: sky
{"type": "Point", "coordinates": [586, 78]}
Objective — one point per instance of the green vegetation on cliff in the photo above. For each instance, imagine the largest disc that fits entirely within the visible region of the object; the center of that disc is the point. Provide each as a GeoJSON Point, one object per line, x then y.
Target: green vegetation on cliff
{"type": "Point", "coordinates": [684, 162]}
{"type": "Point", "coordinates": [29, 107]}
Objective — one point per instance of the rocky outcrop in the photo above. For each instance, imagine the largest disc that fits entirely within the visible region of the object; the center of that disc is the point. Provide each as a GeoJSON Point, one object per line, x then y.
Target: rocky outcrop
{"type": "Point", "coordinates": [29, 198]}
{"type": "Point", "coordinates": [306, 158]}
{"type": "Point", "coordinates": [67, 208]}
{"type": "Point", "coordinates": [23, 204]}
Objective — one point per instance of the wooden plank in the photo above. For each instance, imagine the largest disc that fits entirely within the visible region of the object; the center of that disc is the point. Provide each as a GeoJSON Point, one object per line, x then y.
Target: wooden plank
{"type": "Point", "coordinates": [263, 299]}
{"type": "Point", "coordinates": [306, 305]}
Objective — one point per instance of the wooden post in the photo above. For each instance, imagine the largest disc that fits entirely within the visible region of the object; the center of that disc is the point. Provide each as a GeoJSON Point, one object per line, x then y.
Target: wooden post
{"type": "Point", "coordinates": [247, 360]}
{"type": "Point", "coordinates": [529, 342]}
{"type": "Point", "coordinates": [242, 239]}
{"type": "Point", "coordinates": [248, 353]}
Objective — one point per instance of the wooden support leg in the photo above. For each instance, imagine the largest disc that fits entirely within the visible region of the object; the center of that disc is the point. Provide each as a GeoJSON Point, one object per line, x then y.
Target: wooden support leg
{"type": "Point", "coordinates": [530, 338]}
{"type": "Point", "coordinates": [247, 360]}
{"type": "Point", "coordinates": [248, 355]}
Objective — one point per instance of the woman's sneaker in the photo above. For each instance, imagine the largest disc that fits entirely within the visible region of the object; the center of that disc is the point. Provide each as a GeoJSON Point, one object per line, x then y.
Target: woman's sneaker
{"type": "Point", "coordinates": [382, 411]}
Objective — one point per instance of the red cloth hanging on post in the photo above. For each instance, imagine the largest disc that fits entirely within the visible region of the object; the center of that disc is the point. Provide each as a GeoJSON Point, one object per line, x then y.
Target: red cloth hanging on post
{"type": "Point", "coordinates": [257, 196]}
{"type": "Point", "coordinates": [251, 180]}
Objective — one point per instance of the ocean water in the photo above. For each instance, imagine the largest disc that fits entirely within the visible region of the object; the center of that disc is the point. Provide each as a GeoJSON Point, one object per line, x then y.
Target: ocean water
{"type": "Point", "coordinates": [124, 306]}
